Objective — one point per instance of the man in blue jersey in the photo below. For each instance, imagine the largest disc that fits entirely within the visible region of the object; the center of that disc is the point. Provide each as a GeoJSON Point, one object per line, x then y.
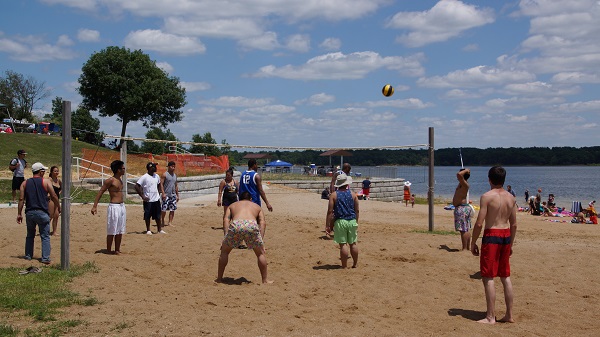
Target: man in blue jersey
{"type": "Point", "coordinates": [251, 182]}
{"type": "Point", "coordinates": [34, 194]}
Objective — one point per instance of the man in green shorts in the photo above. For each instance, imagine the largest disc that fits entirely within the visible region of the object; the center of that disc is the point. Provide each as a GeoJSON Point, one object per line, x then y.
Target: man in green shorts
{"type": "Point", "coordinates": [342, 216]}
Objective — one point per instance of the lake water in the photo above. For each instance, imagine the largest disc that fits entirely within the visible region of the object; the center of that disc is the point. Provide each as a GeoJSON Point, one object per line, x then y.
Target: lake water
{"type": "Point", "coordinates": [567, 183]}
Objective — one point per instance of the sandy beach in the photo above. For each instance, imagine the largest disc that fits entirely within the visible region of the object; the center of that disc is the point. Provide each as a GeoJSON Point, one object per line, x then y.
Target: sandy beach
{"type": "Point", "coordinates": [408, 283]}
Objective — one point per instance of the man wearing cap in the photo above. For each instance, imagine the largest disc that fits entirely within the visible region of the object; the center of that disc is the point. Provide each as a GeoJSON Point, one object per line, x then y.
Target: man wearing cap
{"type": "Point", "coordinates": [148, 187]}
{"type": "Point", "coordinates": [34, 194]}
{"type": "Point", "coordinates": [342, 217]}
{"type": "Point", "coordinates": [17, 166]}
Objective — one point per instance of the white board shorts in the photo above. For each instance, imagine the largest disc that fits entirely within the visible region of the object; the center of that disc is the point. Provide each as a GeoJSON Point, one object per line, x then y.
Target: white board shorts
{"type": "Point", "coordinates": [116, 218]}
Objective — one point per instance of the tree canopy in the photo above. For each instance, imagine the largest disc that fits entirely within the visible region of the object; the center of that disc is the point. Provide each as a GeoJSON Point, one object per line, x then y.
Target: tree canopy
{"type": "Point", "coordinates": [205, 149]}
{"type": "Point", "coordinates": [21, 94]}
{"type": "Point", "coordinates": [128, 84]}
{"type": "Point", "coordinates": [157, 148]}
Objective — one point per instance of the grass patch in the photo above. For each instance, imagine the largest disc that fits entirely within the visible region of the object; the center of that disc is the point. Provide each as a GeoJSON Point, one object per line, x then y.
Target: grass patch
{"type": "Point", "coordinates": [438, 232]}
{"type": "Point", "coordinates": [40, 295]}
{"type": "Point", "coordinates": [8, 331]}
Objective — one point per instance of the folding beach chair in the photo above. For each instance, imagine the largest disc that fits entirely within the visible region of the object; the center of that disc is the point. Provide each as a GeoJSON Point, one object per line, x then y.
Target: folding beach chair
{"type": "Point", "coordinates": [576, 207]}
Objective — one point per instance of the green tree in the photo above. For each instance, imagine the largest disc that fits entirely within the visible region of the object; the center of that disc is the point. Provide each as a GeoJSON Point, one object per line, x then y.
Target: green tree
{"type": "Point", "coordinates": [21, 94]}
{"type": "Point", "coordinates": [157, 148]}
{"type": "Point", "coordinates": [129, 85]}
{"type": "Point", "coordinates": [56, 115]}
{"type": "Point", "coordinates": [207, 150]}
{"type": "Point", "coordinates": [85, 127]}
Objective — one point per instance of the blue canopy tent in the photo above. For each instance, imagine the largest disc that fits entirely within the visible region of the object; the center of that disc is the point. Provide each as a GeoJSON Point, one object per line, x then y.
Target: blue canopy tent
{"type": "Point", "coordinates": [279, 165]}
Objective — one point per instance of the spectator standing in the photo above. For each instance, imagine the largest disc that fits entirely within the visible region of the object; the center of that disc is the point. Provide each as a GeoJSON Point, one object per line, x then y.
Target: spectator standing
{"type": "Point", "coordinates": [17, 166]}
{"type": "Point", "coordinates": [148, 187]}
{"type": "Point", "coordinates": [34, 195]}
{"type": "Point", "coordinates": [171, 195]}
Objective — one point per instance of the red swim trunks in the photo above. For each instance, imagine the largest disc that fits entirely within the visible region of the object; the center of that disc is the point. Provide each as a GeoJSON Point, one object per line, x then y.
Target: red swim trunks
{"type": "Point", "coordinates": [495, 253]}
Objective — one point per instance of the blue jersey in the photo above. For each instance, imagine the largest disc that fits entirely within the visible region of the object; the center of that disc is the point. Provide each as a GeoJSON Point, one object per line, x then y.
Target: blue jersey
{"type": "Point", "coordinates": [344, 206]}
{"type": "Point", "coordinates": [248, 184]}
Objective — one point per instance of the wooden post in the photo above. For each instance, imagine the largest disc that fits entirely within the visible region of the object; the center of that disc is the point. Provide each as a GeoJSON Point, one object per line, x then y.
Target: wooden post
{"type": "Point", "coordinates": [430, 190]}
{"type": "Point", "coordinates": [67, 160]}
{"type": "Point", "coordinates": [124, 160]}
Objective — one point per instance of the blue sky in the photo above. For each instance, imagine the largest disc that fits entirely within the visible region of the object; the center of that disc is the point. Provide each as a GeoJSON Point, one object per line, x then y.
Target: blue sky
{"type": "Point", "coordinates": [309, 73]}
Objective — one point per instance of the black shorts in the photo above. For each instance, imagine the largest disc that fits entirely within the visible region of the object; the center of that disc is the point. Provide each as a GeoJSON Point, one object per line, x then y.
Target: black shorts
{"type": "Point", "coordinates": [152, 210]}
{"type": "Point", "coordinates": [16, 183]}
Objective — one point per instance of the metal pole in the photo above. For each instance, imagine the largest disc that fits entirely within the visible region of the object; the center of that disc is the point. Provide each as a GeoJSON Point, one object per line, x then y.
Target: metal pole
{"type": "Point", "coordinates": [430, 191]}
{"type": "Point", "coordinates": [124, 160]}
{"type": "Point", "coordinates": [65, 219]}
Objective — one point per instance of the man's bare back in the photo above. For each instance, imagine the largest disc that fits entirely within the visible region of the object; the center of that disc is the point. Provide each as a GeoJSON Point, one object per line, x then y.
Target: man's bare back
{"type": "Point", "coordinates": [460, 194]}
{"type": "Point", "coordinates": [498, 209]}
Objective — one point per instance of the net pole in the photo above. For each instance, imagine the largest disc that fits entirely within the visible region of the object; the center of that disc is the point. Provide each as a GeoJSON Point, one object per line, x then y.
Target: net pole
{"type": "Point", "coordinates": [124, 177]}
{"type": "Point", "coordinates": [67, 160]}
{"type": "Point", "coordinates": [430, 191]}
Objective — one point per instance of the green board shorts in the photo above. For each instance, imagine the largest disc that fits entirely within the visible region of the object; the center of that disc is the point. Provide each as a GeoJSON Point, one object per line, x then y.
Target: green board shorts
{"type": "Point", "coordinates": [345, 231]}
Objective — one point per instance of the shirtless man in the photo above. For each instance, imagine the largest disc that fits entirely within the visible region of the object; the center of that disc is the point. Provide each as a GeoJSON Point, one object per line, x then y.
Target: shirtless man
{"type": "Point", "coordinates": [499, 211]}
{"type": "Point", "coordinates": [116, 215]}
{"type": "Point", "coordinates": [462, 210]}
{"type": "Point", "coordinates": [244, 220]}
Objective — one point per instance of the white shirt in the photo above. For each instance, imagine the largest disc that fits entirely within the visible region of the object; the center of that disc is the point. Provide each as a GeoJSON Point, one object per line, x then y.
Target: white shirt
{"type": "Point", "coordinates": [149, 184]}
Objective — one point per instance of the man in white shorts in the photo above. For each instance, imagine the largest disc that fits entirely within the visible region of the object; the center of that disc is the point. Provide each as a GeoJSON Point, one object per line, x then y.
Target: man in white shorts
{"type": "Point", "coordinates": [116, 215]}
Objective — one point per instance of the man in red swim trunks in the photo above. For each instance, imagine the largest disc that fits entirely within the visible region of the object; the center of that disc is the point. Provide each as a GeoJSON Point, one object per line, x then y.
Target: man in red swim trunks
{"type": "Point", "coordinates": [499, 211]}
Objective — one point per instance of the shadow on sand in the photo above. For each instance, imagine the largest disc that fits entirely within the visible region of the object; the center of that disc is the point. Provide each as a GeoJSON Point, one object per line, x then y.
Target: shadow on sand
{"type": "Point", "coordinates": [468, 314]}
{"type": "Point", "coordinates": [235, 281]}
{"type": "Point", "coordinates": [327, 267]}
{"type": "Point", "coordinates": [448, 249]}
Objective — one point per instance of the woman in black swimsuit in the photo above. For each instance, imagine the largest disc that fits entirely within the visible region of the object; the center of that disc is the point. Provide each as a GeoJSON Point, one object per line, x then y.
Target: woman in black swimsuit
{"type": "Point", "coordinates": [52, 208]}
{"type": "Point", "coordinates": [228, 189]}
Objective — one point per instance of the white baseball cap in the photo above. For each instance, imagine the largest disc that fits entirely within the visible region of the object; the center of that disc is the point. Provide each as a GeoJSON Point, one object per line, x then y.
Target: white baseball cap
{"type": "Point", "coordinates": [38, 167]}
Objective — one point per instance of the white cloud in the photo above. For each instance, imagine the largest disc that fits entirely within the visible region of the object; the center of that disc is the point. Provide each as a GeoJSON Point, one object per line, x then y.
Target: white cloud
{"type": "Point", "coordinates": [337, 66]}
{"type": "Point", "coordinates": [195, 86]}
{"type": "Point", "coordinates": [447, 19]}
{"type": "Point", "coordinates": [64, 40]}
{"type": "Point", "coordinates": [269, 110]}
{"type": "Point", "coordinates": [267, 41]}
{"type": "Point", "coordinates": [88, 35]}
{"type": "Point", "coordinates": [461, 94]}
{"type": "Point", "coordinates": [165, 66]}
{"type": "Point", "coordinates": [237, 101]}
{"type": "Point", "coordinates": [316, 100]}
{"type": "Point", "coordinates": [152, 39]}
{"type": "Point", "coordinates": [298, 43]}
{"type": "Point", "coordinates": [540, 89]}
{"type": "Point", "coordinates": [33, 49]}
{"type": "Point", "coordinates": [331, 44]}
{"type": "Point", "coordinates": [552, 7]}
{"type": "Point", "coordinates": [80, 4]}
{"type": "Point", "coordinates": [587, 106]}
{"type": "Point", "coordinates": [409, 103]}
{"type": "Point", "coordinates": [576, 77]}
{"type": "Point", "coordinates": [476, 77]}
{"type": "Point", "coordinates": [233, 28]}
{"type": "Point", "coordinates": [471, 47]}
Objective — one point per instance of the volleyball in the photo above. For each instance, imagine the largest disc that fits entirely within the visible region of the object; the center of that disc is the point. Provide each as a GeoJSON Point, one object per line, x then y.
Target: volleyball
{"type": "Point", "coordinates": [387, 90]}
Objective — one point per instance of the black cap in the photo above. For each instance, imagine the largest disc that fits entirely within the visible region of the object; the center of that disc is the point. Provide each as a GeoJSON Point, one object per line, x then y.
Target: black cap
{"type": "Point", "coordinates": [21, 152]}
{"type": "Point", "coordinates": [150, 164]}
